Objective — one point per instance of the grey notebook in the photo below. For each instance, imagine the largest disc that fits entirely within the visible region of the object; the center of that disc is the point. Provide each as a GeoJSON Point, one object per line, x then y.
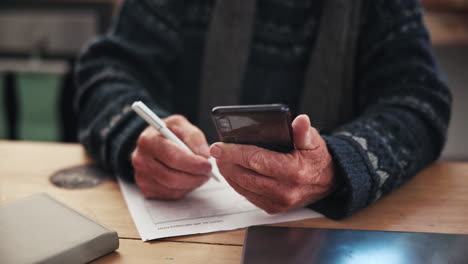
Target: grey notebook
{"type": "Point", "coordinates": [39, 229]}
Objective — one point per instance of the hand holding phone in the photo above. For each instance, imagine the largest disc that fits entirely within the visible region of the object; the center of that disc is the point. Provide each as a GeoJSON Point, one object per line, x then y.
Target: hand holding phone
{"type": "Point", "coordinates": [267, 126]}
{"type": "Point", "coordinates": [274, 181]}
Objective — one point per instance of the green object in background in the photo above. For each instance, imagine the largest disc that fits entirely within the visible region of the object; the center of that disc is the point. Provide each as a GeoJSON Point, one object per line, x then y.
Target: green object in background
{"type": "Point", "coordinates": [38, 98]}
{"type": "Point", "coordinates": [37, 95]}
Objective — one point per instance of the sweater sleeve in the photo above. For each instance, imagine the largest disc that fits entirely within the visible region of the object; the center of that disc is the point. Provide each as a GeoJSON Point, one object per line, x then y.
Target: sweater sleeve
{"type": "Point", "coordinates": [404, 109]}
{"type": "Point", "coordinates": [133, 61]}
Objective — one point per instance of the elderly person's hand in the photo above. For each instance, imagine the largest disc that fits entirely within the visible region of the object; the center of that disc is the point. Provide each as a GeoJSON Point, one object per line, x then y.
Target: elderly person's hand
{"type": "Point", "coordinates": [277, 182]}
{"type": "Point", "coordinates": [164, 170]}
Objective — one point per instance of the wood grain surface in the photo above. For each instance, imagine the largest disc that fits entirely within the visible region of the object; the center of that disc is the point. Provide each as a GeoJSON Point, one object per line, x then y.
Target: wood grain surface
{"type": "Point", "coordinates": [434, 201]}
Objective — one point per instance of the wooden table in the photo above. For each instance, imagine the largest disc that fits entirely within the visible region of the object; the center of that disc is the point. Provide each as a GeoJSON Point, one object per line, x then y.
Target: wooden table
{"type": "Point", "coordinates": [436, 200]}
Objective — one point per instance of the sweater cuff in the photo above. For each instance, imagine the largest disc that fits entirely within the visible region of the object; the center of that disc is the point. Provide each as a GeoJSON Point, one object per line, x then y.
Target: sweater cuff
{"type": "Point", "coordinates": [353, 174]}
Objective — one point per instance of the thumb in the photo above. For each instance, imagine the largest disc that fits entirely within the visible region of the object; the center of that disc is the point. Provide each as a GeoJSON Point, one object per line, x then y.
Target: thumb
{"type": "Point", "coordinates": [305, 136]}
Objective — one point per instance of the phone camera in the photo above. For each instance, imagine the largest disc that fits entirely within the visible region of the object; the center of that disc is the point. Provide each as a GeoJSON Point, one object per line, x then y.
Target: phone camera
{"type": "Point", "coordinates": [224, 125]}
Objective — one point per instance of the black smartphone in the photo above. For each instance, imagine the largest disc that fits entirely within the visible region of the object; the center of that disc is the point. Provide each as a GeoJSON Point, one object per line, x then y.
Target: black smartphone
{"type": "Point", "coordinates": [267, 126]}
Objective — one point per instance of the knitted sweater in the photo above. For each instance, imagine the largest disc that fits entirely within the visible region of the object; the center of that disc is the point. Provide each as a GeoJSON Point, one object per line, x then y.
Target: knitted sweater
{"type": "Point", "coordinates": [154, 52]}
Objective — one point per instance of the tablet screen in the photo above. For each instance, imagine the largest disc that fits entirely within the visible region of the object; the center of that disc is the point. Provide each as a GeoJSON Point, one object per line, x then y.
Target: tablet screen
{"type": "Point", "coordinates": [271, 245]}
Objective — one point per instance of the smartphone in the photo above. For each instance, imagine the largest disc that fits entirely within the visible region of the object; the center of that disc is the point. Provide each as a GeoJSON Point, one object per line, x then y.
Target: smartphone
{"type": "Point", "coordinates": [267, 126]}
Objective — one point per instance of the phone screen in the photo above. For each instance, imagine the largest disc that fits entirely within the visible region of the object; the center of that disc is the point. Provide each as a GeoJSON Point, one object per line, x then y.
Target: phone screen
{"type": "Point", "coordinates": [266, 126]}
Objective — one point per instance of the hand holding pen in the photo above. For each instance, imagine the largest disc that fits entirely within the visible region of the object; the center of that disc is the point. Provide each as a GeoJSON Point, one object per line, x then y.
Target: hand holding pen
{"type": "Point", "coordinates": [171, 156]}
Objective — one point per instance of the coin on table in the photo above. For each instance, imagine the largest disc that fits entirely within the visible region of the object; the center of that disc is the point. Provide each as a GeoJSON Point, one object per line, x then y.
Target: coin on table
{"type": "Point", "coordinates": [79, 177]}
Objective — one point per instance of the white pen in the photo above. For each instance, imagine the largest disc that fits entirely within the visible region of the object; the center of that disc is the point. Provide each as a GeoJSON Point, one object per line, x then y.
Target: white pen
{"type": "Point", "coordinates": [151, 118]}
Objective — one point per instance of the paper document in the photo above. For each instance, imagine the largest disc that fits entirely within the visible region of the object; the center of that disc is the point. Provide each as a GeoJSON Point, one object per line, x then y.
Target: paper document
{"type": "Point", "coordinates": [213, 207]}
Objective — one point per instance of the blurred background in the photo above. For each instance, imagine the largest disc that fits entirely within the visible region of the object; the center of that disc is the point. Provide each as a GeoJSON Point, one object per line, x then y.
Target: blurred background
{"type": "Point", "coordinates": [39, 40]}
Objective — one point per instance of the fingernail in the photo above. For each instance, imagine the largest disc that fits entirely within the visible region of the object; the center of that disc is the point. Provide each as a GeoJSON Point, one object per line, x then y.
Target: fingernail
{"type": "Point", "coordinates": [215, 151]}
{"type": "Point", "coordinates": [308, 139]}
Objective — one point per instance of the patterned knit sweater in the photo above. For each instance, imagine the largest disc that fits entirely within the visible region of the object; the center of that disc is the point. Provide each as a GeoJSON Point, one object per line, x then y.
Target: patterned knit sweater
{"type": "Point", "coordinates": [154, 51]}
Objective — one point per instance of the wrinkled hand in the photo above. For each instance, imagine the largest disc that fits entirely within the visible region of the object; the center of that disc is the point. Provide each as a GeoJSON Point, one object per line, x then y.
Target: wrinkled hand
{"type": "Point", "coordinates": [163, 170]}
{"type": "Point", "coordinates": [277, 182]}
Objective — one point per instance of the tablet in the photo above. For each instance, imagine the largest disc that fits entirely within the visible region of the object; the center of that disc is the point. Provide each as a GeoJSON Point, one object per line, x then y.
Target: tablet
{"type": "Point", "coordinates": [271, 245]}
